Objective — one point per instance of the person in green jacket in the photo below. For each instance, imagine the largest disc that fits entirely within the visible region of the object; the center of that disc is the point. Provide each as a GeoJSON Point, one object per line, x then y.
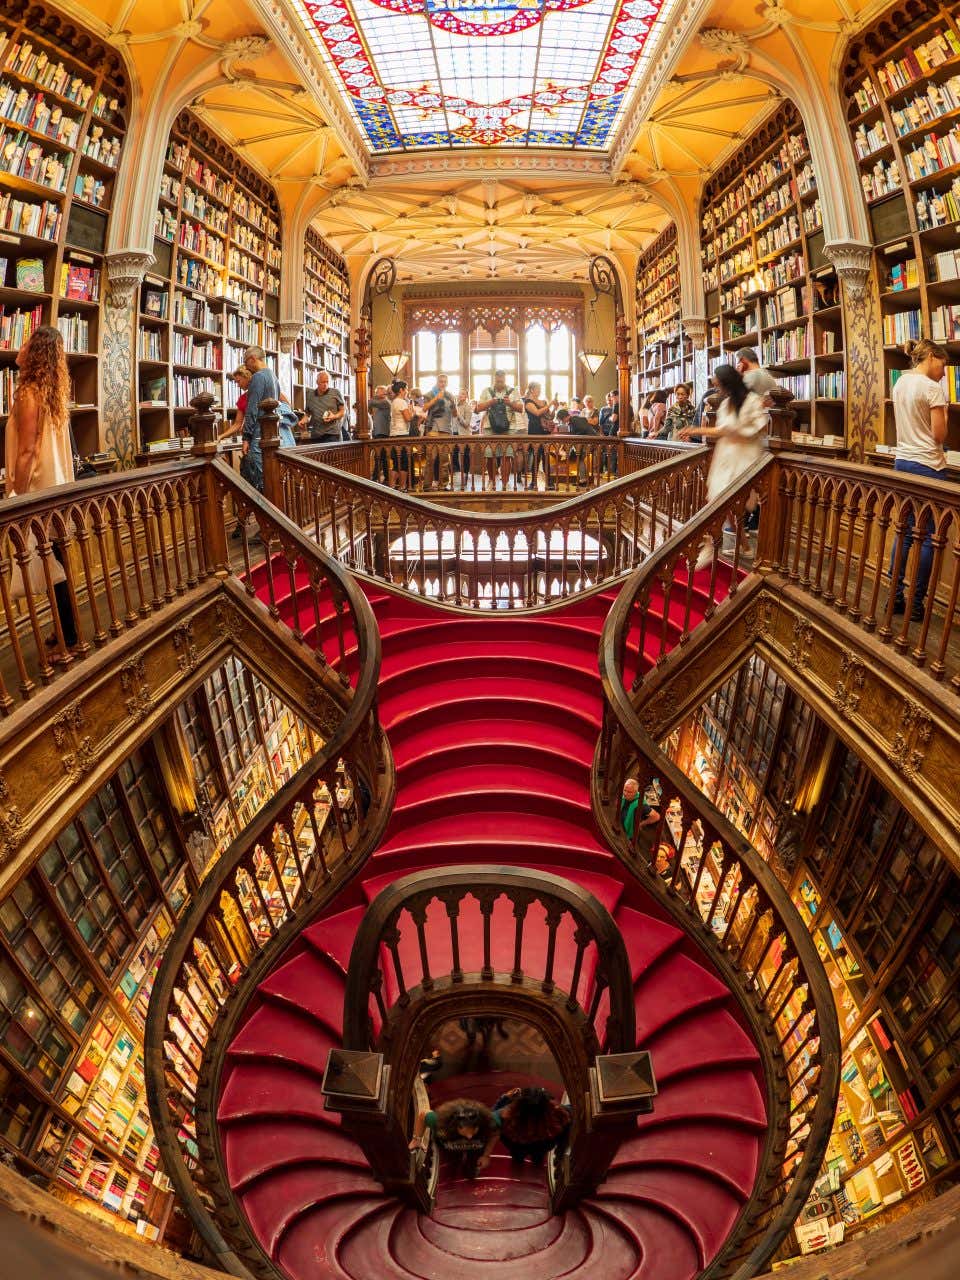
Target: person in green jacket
{"type": "Point", "coordinates": [630, 802]}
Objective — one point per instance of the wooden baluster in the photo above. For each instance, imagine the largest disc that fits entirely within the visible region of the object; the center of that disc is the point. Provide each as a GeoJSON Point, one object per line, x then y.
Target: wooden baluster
{"type": "Point", "coordinates": [453, 915]}
{"type": "Point", "coordinates": [554, 915]}
{"type": "Point", "coordinates": [882, 524]}
{"type": "Point", "coordinates": [418, 914]}
{"type": "Point", "coordinates": [486, 899]}
{"type": "Point", "coordinates": [391, 940]}
{"type": "Point", "coordinates": [938, 666]}
{"type": "Point", "coordinates": [938, 540]}
{"type": "Point", "coordinates": [317, 838]}
{"type": "Point", "coordinates": [521, 905]}
{"type": "Point", "coordinates": [582, 936]}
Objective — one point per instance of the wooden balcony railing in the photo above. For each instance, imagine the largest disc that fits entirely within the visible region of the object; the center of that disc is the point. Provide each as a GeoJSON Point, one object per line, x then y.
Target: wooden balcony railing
{"type": "Point", "coordinates": [489, 941]}
{"type": "Point", "coordinates": [848, 534]}
{"type": "Point", "coordinates": [719, 889]}
{"type": "Point", "coordinates": [493, 464]}
{"type": "Point", "coordinates": [514, 560]}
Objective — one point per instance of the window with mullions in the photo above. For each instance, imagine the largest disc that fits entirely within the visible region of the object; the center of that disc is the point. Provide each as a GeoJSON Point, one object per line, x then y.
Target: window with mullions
{"type": "Point", "coordinates": [118, 850]}
{"type": "Point", "coordinates": [233, 716]}
{"type": "Point", "coordinates": [33, 934]}
{"type": "Point", "coordinates": [201, 749]}
{"type": "Point", "coordinates": [149, 809]}
{"type": "Point", "coordinates": [550, 361]}
{"type": "Point", "coordinates": [244, 707]}
{"type": "Point", "coordinates": [436, 353]}
{"type": "Point", "coordinates": [27, 1032]}
{"type": "Point", "coordinates": [488, 355]}
{"type": "Point", "coordinates": [72, 873]}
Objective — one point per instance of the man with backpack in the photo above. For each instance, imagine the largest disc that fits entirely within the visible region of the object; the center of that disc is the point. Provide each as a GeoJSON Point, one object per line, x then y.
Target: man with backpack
{"type": "Point", "coordinates": [497, 404]}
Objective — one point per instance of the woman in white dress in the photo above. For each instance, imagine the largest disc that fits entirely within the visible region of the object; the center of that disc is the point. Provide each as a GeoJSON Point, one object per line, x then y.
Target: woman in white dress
{"type": "Point", "coordinates": [741, 436]}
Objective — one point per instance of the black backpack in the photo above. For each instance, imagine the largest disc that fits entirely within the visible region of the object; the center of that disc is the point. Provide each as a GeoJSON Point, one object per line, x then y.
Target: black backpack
{"type": "Point", "coordinates": [498, 418]}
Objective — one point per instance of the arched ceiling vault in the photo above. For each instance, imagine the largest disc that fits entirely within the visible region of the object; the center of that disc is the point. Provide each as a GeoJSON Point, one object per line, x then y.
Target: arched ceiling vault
{"type": "Point", "coordinates": [476, 212]}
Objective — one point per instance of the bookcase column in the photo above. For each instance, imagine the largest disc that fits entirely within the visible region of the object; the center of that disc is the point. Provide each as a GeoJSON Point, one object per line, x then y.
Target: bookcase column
{"type": "Point", "coordinates": [118, 357]}
{"type": "Point", "coordinates": [288, 331]}
{"type": "Point", "coordinates": [863, 328]}
{"type": "Point", "coordinates": [695, 327]}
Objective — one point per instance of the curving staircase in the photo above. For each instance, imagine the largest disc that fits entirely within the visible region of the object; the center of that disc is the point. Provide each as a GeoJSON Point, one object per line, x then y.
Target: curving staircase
{"type": "Point", "coordinates": [493, 722]}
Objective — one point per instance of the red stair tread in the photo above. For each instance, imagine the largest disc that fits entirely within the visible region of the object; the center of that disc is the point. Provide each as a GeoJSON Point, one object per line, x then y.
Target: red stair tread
{"type": "Point", "coordinates": [646, 938]}
{"type": "Point", "coordinates": [414, 1251]}
{"type": "Point", "coordinates": [569, 740]}
{"type": "Point", "coordinates": [474, 1241]}
{"type": "Point", "coordinates": [667, 1248]}
{"type": "Point", "coordinates": [260, 1088]}
{"type": "Point", "coordinates": [364, 1252]}
{"type": "Point", "coordinates": [558, 772]}
{"type": "Point", "coordinates": [481, 780]}
{"type": "Point", "coordinates": [674, 989]}
{"type": "Point", "coordinates": [732, 1094]}
{"type": "Point", "coordinates": [275, 1203]}
{"type": "Point", "coordinates": [310, 1249]}
{"type": "Point", "coordinates": [513, 830]}
{"type": "Point", "coordinates": [707, 1207]}
{"type": "Point", "coordinates": [307, 981]}
{"type": "Point", "coordinates": [714, 1149]}
{"type": "Point", "coordinates": [613, 1251]}
{"type": "Point", "coordinates": [256, 1147]}
{"type": "Point", "coordinates": [482, 690]}
{"type": "Point", "coordinates": [489, 1193]}
{"type": "Point", "coordinates": [274, 1032]}
{"type": "Point", "coordinates": [334, 935]}
{"type": "Point", "coordinates": [480, 1216]}
{"type": "Point", "coordinates": [713, 1038]}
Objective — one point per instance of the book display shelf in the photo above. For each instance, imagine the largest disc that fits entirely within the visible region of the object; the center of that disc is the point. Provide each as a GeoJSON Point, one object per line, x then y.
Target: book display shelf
{"type": "Point", "coordinates": [325, 341]}
{"type": "Point", "coordinates": [902, 83]}
{"type": "Point", "coordinates": [215, 288]}
{"type": "Point", "coordinates": [665, 353]}
{"type": "Point", "coordinates": [768, 284]}
{"type": "Point", "coordinates": [63, 98]}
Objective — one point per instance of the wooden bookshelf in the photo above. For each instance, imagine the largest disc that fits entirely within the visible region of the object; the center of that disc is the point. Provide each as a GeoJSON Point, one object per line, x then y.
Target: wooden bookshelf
{"type": "Point", "coordinates": [63, 103]}
{"type": "Point", "coordinates": [768, 284]}
{"type": "Point", "coordinates": [325, 342]}
{"type": "Point", "coordinates": [665, 353]}
{"type": "Point", "coordinates": [215, 288]}
{"type": "Point", "coordinates": [902, 85]}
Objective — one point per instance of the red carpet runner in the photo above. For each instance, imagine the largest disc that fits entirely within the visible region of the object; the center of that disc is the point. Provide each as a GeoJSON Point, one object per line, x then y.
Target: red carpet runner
{"type": "Point", "coordinates": [493, 722]}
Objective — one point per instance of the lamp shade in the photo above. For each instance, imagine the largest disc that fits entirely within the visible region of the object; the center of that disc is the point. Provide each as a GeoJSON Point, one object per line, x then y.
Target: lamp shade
{"type": "Point", "coordinates": [394, 360]}
{"type": "Point", "coordinates": [592, 360]}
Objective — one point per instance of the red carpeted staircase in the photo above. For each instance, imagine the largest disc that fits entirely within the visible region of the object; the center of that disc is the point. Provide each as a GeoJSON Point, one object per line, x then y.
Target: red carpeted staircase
{"type": "Point", "coordinates": [493, 722]}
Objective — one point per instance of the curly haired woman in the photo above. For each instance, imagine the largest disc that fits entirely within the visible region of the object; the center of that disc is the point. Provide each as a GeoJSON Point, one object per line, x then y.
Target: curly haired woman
{"type": "Point", "coordinates": [39, 450]}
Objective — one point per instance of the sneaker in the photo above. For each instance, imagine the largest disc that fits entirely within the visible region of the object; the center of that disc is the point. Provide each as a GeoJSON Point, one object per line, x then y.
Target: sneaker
{"type": "Point", "coordinates": [916, 613]}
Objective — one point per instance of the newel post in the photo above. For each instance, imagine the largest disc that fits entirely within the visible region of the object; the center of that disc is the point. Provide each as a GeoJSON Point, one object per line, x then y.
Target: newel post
{"type": "Point", "coordinates": [269, 444]}
{"type": "Point", "coordinates": [203, 425]}
{"type": "Point", "coordinates": [621, 1086]}
{"type": "Point", "coordinates": [783, 417]}
{"type": "Point", "coordinates": [356, 1084]}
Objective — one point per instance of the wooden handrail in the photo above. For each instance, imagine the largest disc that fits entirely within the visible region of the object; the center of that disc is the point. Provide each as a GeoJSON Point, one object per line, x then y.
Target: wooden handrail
{"type": "Point", "coordinates": [407, 899]}
{"type": "Point", "coordinates": [721, 891]}
{"type": "Point", "coordinates": [846, 534]}
{"type": "Point", "coordinates": [555, 464]}
{"type": "Point", "coordinates": [479, 560]}
{"type": "Point", "coordinates": [301, 847]}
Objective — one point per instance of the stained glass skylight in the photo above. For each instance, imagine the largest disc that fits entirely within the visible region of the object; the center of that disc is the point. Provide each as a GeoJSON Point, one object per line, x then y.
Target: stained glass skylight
{"type": "Point", "coordinates": [483, 73]}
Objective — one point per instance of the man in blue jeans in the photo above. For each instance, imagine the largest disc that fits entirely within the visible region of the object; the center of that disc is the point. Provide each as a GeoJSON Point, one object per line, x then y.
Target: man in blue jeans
{"type": "Point", "coordinates": [920, 413]}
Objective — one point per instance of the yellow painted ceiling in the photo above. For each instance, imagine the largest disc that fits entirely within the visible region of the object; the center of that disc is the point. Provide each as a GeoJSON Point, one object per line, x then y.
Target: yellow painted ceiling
{"type": "Point", "coordinates": [490, 214]}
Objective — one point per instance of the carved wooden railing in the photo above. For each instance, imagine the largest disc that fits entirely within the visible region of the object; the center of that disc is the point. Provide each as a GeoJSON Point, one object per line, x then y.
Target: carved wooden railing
{"type": "Point", "coordinates": [846, 534]}
{"type": "Point", "coordinates": [716, 885]}
{"type": "Point", "coordinates": [558, 464]}
{"type": "Point", "coordinates": [514, 560]}
{"type": "Point", "coordinates": [503, 941]}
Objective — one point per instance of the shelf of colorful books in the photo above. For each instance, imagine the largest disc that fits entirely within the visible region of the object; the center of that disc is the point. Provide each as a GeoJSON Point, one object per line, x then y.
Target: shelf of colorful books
{"type": "Point", "coordinates": [62, 103]}
{"type": "Point", "coordinates": [324, 343]}
{"type": "Point", "coordinates": [903, 85]}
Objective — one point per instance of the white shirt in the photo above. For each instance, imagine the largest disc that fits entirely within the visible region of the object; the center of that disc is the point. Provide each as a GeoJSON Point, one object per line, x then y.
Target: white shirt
{"type": "Point", "coordinates": [399, 426]}
{"type": "Point", "coordinates": [914, 395]}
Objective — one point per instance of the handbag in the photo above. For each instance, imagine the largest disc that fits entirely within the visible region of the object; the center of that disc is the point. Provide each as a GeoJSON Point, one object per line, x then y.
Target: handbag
{"type": "Point", "coordinates": [32, 573]}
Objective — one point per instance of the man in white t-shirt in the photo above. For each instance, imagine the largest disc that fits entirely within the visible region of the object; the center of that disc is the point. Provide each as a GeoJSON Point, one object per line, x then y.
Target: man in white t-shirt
{"type": "Point", "coordinates": [920, 414]}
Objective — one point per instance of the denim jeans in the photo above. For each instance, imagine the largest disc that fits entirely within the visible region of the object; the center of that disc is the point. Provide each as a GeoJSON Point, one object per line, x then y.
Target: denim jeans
{"type": "Point", "coordinates": [926, 546]}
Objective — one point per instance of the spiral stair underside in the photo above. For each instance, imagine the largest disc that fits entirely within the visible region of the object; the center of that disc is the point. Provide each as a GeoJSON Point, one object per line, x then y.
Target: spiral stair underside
{"type": "Point", "coordinates": [493, 721]}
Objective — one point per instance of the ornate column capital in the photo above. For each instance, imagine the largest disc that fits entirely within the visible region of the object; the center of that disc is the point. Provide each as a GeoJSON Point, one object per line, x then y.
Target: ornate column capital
{"type": "Point", "coordinates": [852, 259]}
{"type": "Point", "coordinates": [288, 331]}
{"type": "Point", "coordinates": [125, 271]}
{"type": "Point", "coordinates": [696, 329]}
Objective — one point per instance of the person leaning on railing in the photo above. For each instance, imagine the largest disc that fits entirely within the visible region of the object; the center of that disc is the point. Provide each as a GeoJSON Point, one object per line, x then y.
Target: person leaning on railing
{"type": "Point", "coordinates": [38, 450]}
{"type": "Point", "coordinates": [920, 416]}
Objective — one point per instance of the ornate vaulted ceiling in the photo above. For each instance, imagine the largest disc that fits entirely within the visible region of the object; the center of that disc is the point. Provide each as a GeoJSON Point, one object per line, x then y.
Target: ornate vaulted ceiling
{"type": "Point", "coordinates": [479, 138]}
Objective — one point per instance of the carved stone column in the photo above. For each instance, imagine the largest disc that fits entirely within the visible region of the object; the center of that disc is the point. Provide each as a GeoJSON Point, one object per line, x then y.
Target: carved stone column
{"type": "Point", "coordinates": [288, 331]}
{"type": "Point", "coordinates": [863, 329]}
{"type": "Point", "coordinates": [362, 356]}
{"type": "Point", "coordinates": [118, 352]}
{"type": "Point", "coordinates": [695, 327]}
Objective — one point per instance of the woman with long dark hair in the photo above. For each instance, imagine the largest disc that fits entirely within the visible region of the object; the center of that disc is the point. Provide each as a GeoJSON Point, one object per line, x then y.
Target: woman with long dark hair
{"type": "Point", "coordinates": [740, 433]}
{"type": "Point", "coordinates": [465, 1130]}
{"type": "Point", "coordinates": [531, 1124]}
{"type": "Point", "coordinates": [38, 447]}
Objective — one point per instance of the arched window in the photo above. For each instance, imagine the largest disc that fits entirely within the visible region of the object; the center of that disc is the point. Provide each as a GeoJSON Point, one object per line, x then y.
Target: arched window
{"type": "Point", "coordinates": [549, 361]}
